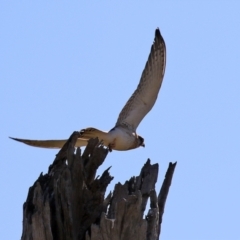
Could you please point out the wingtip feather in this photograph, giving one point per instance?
(157, 33)
(16, 139)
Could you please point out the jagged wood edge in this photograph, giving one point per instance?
(162, 197)
(129, 202)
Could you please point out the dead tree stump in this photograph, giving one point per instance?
(68, 202)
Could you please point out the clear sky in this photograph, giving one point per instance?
(66, 66)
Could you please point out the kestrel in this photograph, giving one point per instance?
(123, 136)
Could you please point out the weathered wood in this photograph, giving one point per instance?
(162, 197)
(68, 202)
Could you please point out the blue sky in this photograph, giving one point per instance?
(67, 66)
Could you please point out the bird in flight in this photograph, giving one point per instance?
(123, 136)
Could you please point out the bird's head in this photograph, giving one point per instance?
(141, 141)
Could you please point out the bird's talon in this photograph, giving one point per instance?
(110, 148)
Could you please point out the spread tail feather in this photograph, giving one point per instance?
(50, 143)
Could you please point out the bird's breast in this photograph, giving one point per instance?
(123, 139)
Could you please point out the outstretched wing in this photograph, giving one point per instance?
(50, 143)
(144, 97)
(86, 134)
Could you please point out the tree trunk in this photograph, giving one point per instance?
(68, 202)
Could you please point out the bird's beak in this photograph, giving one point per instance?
(143, 145)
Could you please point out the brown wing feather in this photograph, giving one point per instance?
(93, 133)
(144, 97)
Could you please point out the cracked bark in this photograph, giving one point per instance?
(68, 202)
